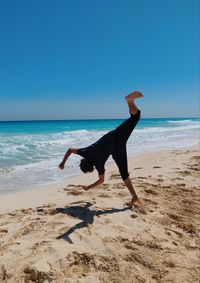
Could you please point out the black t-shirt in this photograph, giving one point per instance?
(98, 152)
(113, 143)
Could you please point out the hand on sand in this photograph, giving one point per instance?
(61, 166)
(85, 188)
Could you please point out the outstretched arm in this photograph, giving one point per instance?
(98, 182)
(66, 156)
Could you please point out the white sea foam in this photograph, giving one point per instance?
(169, 129)
(32, 159)
(181, 121)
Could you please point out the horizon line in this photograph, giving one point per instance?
(90, 119)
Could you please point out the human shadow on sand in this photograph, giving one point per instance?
(85, 214)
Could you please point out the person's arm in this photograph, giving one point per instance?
(98, 182)
(66, 156)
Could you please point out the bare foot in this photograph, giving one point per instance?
(133, 95)
(135, 202)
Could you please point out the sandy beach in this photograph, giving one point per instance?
(64, 234)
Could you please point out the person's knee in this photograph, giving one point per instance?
(125, 176)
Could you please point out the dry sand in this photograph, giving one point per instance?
(64, 234)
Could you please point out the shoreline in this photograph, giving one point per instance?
(40, 169)
(47, 190)
(79, 179)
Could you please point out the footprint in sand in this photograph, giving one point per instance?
(27, 229)
(114, 176)
(166, 187)
(26, 210)
(174, 216)
(157, 167)
(140, 209)
(13, 213)
(196, 157)
(139, 178)
(50, 211)
(175, 231)
(134, 215)
(139, 257)
(3, 272)
(104, 196)
(169, 263)
(122, 194)
(136, 168)
(38, 272)
(149, 191)
(2, 230)
(46, 209)
(150, 201)
(74, 190)
(184, 173)
(105, 186)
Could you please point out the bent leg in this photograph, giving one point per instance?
(120, 158)
(124, 130)
(135, 199)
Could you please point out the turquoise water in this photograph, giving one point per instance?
(31, 150)
(46, 127)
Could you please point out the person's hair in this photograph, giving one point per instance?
(86, 166)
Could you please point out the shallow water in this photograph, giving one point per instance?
(30, 151)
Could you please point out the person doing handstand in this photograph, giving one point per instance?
(113, 143)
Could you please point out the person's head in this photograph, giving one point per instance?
(86, 166)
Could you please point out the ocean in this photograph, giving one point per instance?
(30, 151)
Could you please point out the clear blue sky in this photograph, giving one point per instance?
(75, 59)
